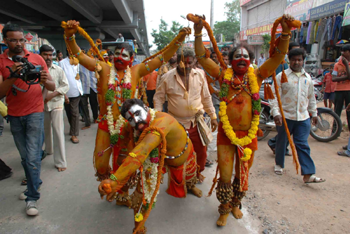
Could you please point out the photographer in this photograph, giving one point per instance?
(25, 108)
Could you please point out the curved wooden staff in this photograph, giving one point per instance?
(196, 19)
(165, 48)
(82, 32)
(273, 45)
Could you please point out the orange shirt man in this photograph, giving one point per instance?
(151, 83)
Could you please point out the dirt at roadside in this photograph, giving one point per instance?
(284, 204)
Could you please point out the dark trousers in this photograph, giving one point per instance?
(341, 98)
(72, 111)
(83, 104)
(272, 143)
(93, 103)
(300, 131)
(150, 95)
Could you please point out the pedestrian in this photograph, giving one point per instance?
(150, 82)
(53, 112)
(171, 64)
(261, 60)
(225, 58)
(93, 96)
(328, 87)
(111, 56)
(84, 75)
(72, 97)
(299, 102)
(59, 55)
(346, 149)
(341, 75)
(188, 94)
(25, 110)
(120, 38)
(272, 141)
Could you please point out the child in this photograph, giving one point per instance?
(328, 87)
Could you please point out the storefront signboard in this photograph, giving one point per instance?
(346, 17)
(328, 9)
(255, 40)
(299, 9)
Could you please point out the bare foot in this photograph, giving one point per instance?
(201, 178)
(196, 191)
(237, 213)
(86, 127)
(60, 169)
(222, 220)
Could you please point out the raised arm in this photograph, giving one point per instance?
(69, 36)
(145, 68)
(281, 50)
(208, 65)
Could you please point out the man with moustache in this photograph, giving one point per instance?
(188, 94)
(25, 110)
(54, 103)
(162, 70)
(298, 101)
(116, 84)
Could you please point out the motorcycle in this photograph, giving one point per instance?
(328, 127)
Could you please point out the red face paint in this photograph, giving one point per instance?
(237, 65)
(121, 63)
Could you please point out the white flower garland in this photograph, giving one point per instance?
(148, 188)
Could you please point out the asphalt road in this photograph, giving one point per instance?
(70, 202)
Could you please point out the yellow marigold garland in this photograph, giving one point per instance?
(254, 89)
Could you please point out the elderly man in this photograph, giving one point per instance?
(188, 94)
(53, 111)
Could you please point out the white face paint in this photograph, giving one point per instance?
(241, 53)
(136, 115)
(122, 53)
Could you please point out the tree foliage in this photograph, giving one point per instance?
(266, 46)
(231, 25)
(164, 36)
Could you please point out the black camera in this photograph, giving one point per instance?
(28, 72)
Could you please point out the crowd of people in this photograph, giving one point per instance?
(179, 88)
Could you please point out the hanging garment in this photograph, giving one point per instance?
(337, 25)
(320, 30)
(309, 32)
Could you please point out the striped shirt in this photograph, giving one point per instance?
(93, 81)
(85, 79)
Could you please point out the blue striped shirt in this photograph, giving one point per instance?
(85, 79)
(93, 81)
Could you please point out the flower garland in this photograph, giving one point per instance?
(149, 173)
(256, 108)
(114, 95)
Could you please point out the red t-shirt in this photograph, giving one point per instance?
(151, 80)
(330, 85)
(24, 103)
(340, 70)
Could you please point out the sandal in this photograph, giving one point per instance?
(24, 181)
(208, 163)
(314, 179)
(278, 170)
(342, 153)
(345, 147)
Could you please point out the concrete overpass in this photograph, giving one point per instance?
(103, 19)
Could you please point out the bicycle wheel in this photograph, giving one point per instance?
(328, 128)
(264, 118)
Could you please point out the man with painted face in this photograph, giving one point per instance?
(115, 84)
(188, 94)
(239, 116)
(180, 159)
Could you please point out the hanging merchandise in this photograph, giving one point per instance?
(346, 19)
(28, 36)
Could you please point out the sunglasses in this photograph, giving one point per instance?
(11, 40)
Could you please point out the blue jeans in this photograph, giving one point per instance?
(347, 151)
(27, 133)
(300, 131)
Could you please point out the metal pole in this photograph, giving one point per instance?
(212, 17)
